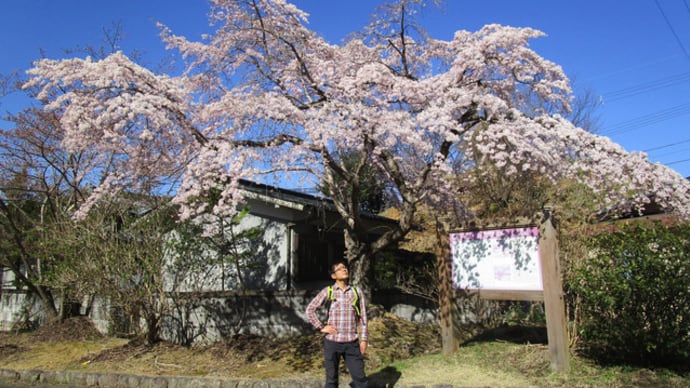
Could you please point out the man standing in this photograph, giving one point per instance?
(346, 312)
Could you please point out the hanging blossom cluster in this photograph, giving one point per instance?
(138, 122)
(628, 181)
(266, 95)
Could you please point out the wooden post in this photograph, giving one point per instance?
(554, 304)
(449, 344)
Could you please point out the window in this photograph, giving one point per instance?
(315, 254)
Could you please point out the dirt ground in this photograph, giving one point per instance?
(501, 357)
(75, 344)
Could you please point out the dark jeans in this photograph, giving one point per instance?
(354, 362)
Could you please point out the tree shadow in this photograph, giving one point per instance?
(517, 334)
(386, 377)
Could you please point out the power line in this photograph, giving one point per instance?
(677, 161)
(667, 145)
(650, 119)
(673, 31)
(667, 155)
(647, 87)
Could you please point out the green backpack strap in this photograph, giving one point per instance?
(329, 299)
(355, 301)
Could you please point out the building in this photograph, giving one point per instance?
(263, 291)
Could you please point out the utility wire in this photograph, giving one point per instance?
(677, 161)
(666, 155)
(673, 31)
(667, 145)
(650, 119)
(646, 87)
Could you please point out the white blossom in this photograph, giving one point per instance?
(260, 98)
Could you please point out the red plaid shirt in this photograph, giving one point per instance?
(341, 315)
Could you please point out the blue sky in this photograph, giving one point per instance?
(634, 55)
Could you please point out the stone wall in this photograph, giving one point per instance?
(197, 318)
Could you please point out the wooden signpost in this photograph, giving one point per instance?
(516, 264)
(556, 323)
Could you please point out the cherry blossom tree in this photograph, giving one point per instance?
(41, 185)
(264, 96)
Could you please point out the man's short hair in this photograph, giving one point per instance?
(335, 264)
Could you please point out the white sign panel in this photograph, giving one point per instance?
(500, 259)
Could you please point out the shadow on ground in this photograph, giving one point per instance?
(514, 334)
(386, 377)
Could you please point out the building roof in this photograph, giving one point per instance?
(296, 200)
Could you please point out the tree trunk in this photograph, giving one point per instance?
(152, 328)
(446, 300)
(359, 261)
(43, 293)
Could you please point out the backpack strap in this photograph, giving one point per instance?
(329, 299)
(355, 302)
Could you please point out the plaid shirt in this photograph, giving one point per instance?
(341, 315)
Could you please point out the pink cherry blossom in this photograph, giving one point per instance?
(266, 96)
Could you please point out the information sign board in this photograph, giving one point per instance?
(498, 259)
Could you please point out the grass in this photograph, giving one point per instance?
(400, 353)
(468, 367)
(503, 364)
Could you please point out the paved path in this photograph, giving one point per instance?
(73, 379)
(33, 378)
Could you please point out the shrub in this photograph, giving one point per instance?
(635, 295)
